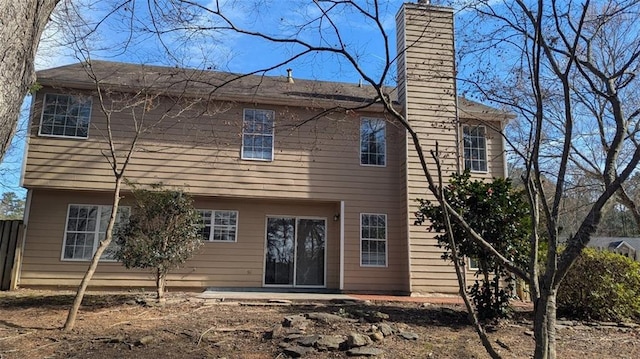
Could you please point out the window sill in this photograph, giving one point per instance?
(373, 266)
(65, 137)
(256, 159)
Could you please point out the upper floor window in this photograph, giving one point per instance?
(86, 227)
(373, 239)
(475, 148)
(219, 226)
(65, 116)
(373, 146)
(257, 135)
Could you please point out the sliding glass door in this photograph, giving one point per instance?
(295, 253)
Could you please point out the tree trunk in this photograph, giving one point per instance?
(627, 201)
(544, 325)
(73, 311)
(160, 283)
(21, 26)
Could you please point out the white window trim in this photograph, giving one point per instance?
(386, 158)
(213, 212)
(486, 149)
(273, 137)
(385, 240)
(470, 267)
(44, 101)
(96, 239)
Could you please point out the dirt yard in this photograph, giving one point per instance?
(130, 325)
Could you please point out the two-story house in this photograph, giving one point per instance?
(299, 184)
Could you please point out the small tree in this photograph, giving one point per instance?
(162, 232)
(500, 215)
(11, 206)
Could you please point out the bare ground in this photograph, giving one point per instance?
(121, 325)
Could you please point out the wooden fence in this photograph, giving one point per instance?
(10, 231)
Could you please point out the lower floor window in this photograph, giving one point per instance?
(86, 227)
(373, 239)
(219, 226)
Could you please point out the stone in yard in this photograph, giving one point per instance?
(330, 342)
(364, 352)
(292, 337)
(385, 329)
(376, 336)
(357, 340)
(146, 340)
(409, 336)
(293, 321)
(377, 317)
(371, 316)
(308, 341)
(329, 318)
(296, 351)
(277, 331)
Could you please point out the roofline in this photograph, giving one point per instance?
(220, 96)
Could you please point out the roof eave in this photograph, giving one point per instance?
(318, 103)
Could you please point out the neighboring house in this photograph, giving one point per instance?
(626, 246)
(294, 192)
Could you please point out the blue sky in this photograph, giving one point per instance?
(225, 51)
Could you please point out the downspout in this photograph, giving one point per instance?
(341, 245)
(504, 149)
(19, 254)
(26, 144)
(455, 94)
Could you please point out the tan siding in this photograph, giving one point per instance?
(430, 109)
(239, 264)
(318, 160)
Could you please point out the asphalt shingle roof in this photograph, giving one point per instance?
(214, 84)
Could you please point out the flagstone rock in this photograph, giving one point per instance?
(376, 336)
(364, 352)
(409, 336)
(358, 340)
(308, 341)
(386, 329)
(329, 318)
(330, 342)
(296, 351)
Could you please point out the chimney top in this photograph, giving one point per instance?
(425, 2)
(290, 76)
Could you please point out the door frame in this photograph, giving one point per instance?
(295, 254)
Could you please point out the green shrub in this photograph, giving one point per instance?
(601, 285)
(162, 232)
(500, 214)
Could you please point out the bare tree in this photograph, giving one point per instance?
(119, 159)
(550, 47)
(571, 78)
(545, 61)
(21, 26)
(130, 115)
